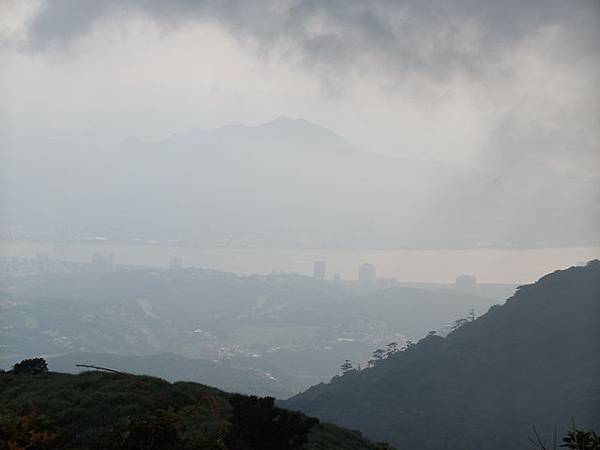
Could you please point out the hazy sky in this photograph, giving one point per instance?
(480, 83)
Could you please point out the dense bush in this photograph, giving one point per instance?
(257, 423)
(31, 366)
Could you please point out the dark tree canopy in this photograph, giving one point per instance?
(31, 366)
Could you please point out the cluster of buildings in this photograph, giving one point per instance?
(367, 277)
(367, 273)
(42, 264)
(102, 263)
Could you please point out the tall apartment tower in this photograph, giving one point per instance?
(99, 263)
(175, 263)
(319, 269)
(110, 265)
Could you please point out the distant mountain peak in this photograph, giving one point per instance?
(292, 124)
(279, 133)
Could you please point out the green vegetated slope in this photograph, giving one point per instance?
(532, 362)
(97, 410)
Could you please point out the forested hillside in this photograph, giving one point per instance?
(96, 410)
(531, 362)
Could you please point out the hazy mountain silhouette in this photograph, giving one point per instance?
(531, 362)
(287, 182)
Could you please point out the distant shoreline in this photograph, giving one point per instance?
(488, 265)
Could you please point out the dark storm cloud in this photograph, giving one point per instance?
(430, 35)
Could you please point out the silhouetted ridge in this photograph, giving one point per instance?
(531, 362)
